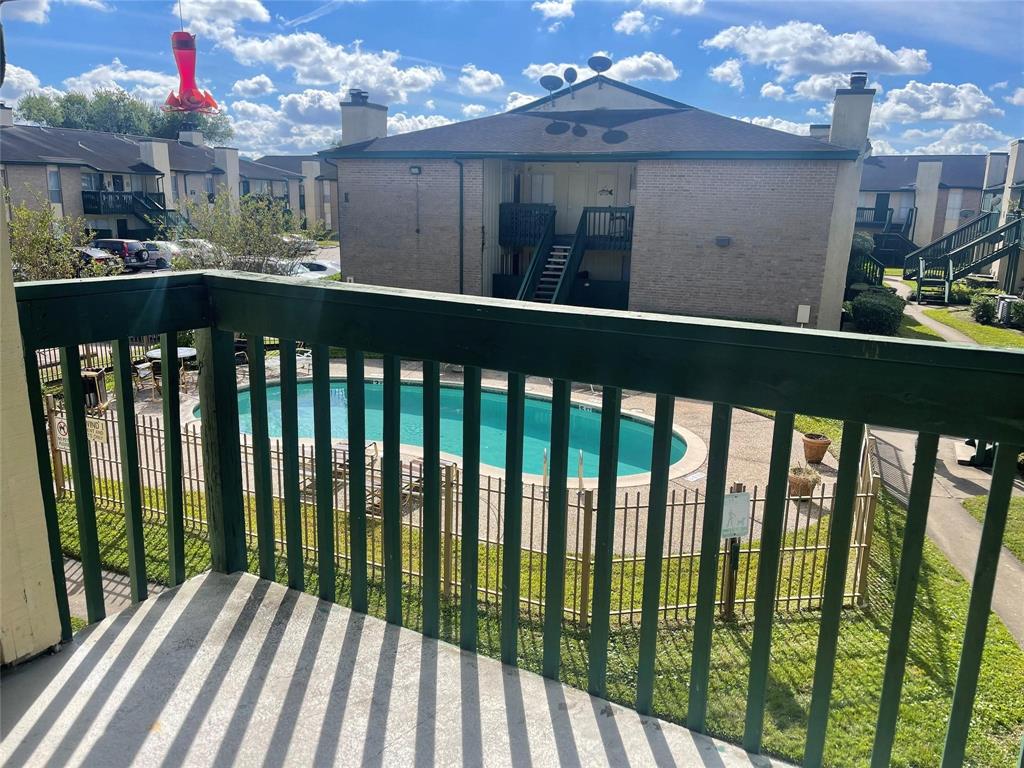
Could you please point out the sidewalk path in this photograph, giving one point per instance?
(950, 526)
(915, 311)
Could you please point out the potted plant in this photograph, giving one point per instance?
(802, 480)
(815, 447)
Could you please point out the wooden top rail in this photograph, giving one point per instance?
(895, 382)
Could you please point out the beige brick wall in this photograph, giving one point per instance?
(776, 212)
(27, 184)
(378, 223)
(71, 190)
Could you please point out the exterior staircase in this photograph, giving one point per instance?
(554, 268)
(157, 216)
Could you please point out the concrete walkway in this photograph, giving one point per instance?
(117, 590)
(915, 311)
(234, 670)
(950, 526)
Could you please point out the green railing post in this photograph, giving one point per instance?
(81, 472)
(1004, 468)
(836, 561)
(356, 391)
(512, 545)
(290, 464)
(392, 490)
(174, 501)
(128, 441)
(431, 498)
(707, 579)
(262, 477)
(222, 466)
(654, 554)
(558, 498)
(903, 601)
(324, 458)
(468, 545)
(604, 543)
(35, 404)
(767, 570)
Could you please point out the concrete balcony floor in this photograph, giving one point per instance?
(235, 670)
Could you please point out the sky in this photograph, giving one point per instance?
(949, 75)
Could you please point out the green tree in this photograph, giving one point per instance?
(116, 111)
(43, 244)
(246, 235)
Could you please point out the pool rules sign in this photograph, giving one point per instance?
(736, 515)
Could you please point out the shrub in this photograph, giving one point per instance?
(983, 309)
(878, 311)
(960, 293)
(1016, 318)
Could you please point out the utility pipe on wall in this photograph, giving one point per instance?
(461, 232)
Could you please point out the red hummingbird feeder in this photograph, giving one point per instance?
(189, 98)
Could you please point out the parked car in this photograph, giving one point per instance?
(319, 268)
(300, 244)
(132, 252)
(161, 253)
(91, 254)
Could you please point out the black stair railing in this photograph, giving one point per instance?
(940, 248)
(544, 241)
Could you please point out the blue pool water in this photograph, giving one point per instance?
(635, 437)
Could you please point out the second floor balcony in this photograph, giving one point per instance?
(107, 203)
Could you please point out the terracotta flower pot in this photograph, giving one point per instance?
(815, 448)
(802, 481)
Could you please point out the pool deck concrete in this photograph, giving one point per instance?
(234, 670)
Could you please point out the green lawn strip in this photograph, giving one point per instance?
(911, 328)
(940, 613)
(986, 335)
(812, 425)
(894, 272)
(1013, 539)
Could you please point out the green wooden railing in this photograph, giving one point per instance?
(1000, 243)
(609, 229)
(867, 269)
(542, 247)
(938, 250)
(99, 202)
(522, 224)
(870, 216)
(726, 363)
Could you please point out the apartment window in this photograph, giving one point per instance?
(866, 200)
(302, 197)
(208, 180)
(92, 182)
(280, 188)
(954, 202)
(542, 188)
(174, 187)
(53, 185)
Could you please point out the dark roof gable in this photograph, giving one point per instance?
(895, 172)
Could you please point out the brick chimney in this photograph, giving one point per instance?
(6, 116)
(361, 120)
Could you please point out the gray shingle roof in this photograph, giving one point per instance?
(659, 132)
(894, 172)
(113, 152)
(293, 163)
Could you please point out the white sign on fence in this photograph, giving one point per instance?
(95, 429)
(736, 515)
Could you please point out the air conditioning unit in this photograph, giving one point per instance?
(967, 213)
(1003, 307)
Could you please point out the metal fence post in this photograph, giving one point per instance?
(865, 553)
(55, 457)
(588, 521)
(731, 563)
(446, 531)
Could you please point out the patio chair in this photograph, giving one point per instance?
(242, 366)
(304, 360)
(144, 377)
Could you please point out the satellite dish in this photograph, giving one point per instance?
(551, 82)
(599, 63)
(570, 75)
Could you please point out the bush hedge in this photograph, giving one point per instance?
(983, 309)
(878, 311)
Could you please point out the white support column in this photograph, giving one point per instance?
(926, 198)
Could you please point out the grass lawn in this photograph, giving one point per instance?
(940, 612)
(1013, 539)
(830, 428)
(910, 328)
(986, 335)
(894, 272)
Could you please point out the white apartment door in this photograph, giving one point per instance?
(576, 201)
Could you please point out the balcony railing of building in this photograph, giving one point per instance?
(725, 363)
(522, 224)
(103, 203)
(874, 217)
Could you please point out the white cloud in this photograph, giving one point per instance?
(38, 11)
(430, 104)
(772, 91)
(965, 139)
(311, 107)
(216, 18)
(20, 82)
(145, 84)
(260, 85)
(261, 128)
(678, 7)
(730, 73)
(882, 147)
(779, 124)
(476, 81)
(635, 22)
(1000, 85)
(554, 9)
(474, 110)
(403, 123)
(517, 99)
(823, 87)
(314, 60)
(644, 66)
(934, 101)
(799, 47)
(1017, 98)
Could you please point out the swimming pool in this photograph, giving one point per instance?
(635, 437)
